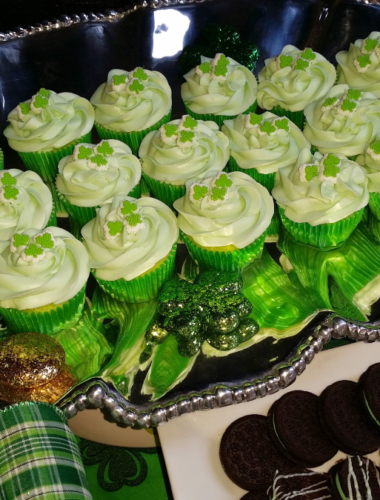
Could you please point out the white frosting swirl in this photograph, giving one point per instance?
(57, 120)
(214, 216)
(38, 268)
(166, 159)
(294, 79)
(127, 103)
(25, 202)
(129, 236)
(264, 142)
(86, 184)
(343, 121)
(208, 93)
(359, 67)
(321, 189)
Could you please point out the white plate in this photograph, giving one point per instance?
(191, 443)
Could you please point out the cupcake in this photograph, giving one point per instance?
(292, 80)
(25, 202)
(46, 128)
(321, 199)
(43, 275)
(359, 67)
(180, 150)
(262, 144)
(223, 219)
(131, 104)
(132, 246)
(219, 89)
(344, 121)
(94, 174)
(370, 162)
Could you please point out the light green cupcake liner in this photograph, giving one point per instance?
(218, 119)
(45, 163)
(296, 117)
(167, 193)
(266, 180)
(314, 149)
(144, 287)
(51, 321)
(60, 208)
(374, 204)
(132, 139)
(1, 159)
(323, 236)
(236, 260)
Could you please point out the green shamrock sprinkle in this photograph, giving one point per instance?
(33, 250)
(375, 146)
(45, 240)
(255, 119)
(7, 180)
(218, 193)
(186, 136)
(267, 128)
(363, 60)
(119, 79)
(105, 149)
(221, 66)
(134, 219)
(330, 101)
(20, 240)
(311, 171)
(199, 192)
(282, 124)
(308, 54)
(98, 160)
(115, 228)
(302, 64)
(223, 181)
(369, 44)
(140, 74)
(170, 130)
(44, 93)
(205, 67)
(190, 122)
(348, 105)
(25, 107)
(354, 94)
(128, 208)
(285, 61)
(84, 153)
(10, 193)
(330, 163)
(40, 102)
(136, 86)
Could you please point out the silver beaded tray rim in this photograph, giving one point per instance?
(95, 393)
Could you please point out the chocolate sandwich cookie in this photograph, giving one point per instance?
(340, 413)
(295, 429)
(248, 456)
(356, 478)
(299, 484)
(369, 384)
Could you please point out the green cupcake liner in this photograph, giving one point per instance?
(49, 322)
(45, 163)
(296, 117)
(144, 287)
(236, 260)
(132, 139)
(218, 119)
(323, 236)
(314, 149)
(266, 180)
(374, 204)
(145, 191)
(374, 226)
(1, 159)
(52, 222)
(167, 193)
(60, 208)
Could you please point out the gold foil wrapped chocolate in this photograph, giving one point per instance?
(33, 368)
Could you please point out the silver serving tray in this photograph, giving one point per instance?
(75, 53)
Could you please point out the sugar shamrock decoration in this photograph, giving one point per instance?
(216, 194)
(8, 190)
(185, 139)
(104, 148)
(212, 309)
(284, 61)
(39, 103)
(135, 87)
(98, 162)
(364, 61)
(203, 68)
(252, 120)
(329, 168)
(128, 217)
(308, 54)
(301, 64)
(329, 103)
(169, 133)
(374, 150)
(45, 240)
(222, 181)
(140, 74)
(219, 67)
(266, 127)
(18, 240)
(34, 249)
(369, 45)
(95, 156)
(308, 171)
(119, 82)
(112, 229)
(198, 191)
(345, 105)
(82, 152)
(23, 109)
(33, 253)
(126, 208)
(282, 124)
(187, 122)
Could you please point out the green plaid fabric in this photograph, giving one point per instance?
(39, 455)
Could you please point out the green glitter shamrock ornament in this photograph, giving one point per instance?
(45, 240)
(140, 74)
(198, 192)
(19, 240)
(330, 168)
(136, 87)
(104, 148)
